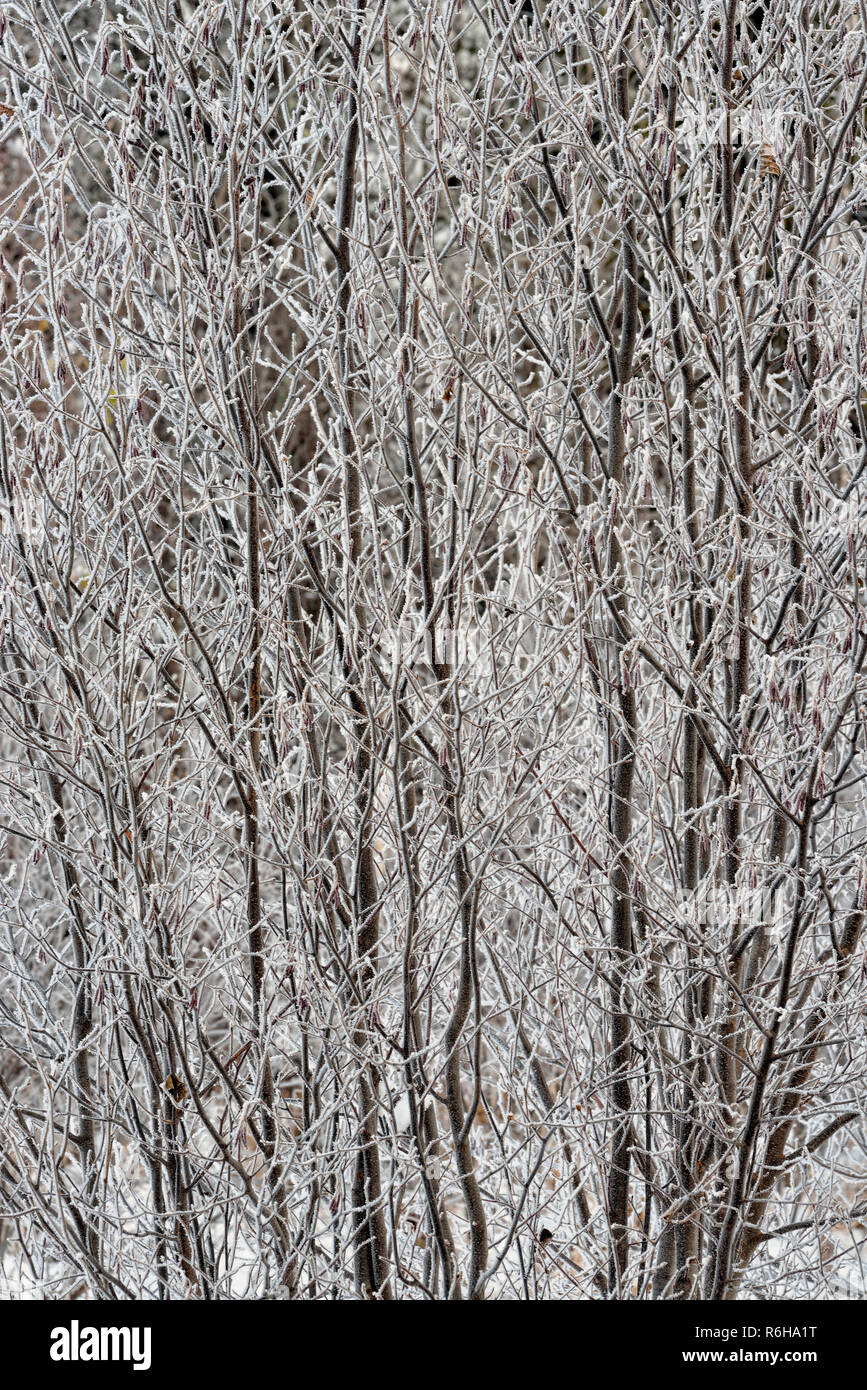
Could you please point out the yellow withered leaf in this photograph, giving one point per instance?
(175, 1087)
(767, 162)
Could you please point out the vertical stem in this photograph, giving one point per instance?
(622, 755)
(371, 1241)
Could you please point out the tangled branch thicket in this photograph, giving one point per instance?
(433, 456)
